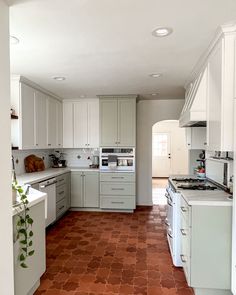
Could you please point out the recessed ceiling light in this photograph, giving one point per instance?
(14, 40)
(82, 96)
(154, 94)
(59, 78)
(155, 75)
(162, 32)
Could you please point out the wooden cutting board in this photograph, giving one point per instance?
(34, 164)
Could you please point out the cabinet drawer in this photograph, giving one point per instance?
(185, 209)
(117, 177)
(61, 179)
(61, 192)
(117, 202)
(61, 207)
(117, 189)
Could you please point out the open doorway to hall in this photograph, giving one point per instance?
(169, 156)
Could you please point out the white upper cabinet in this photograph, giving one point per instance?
(51, 123)
(81, 123)
(196, 138)
(40, 117)
(68, 125)
(118, 121)
(27, 128)
(40, 113)
(108, 122)
(220, 95)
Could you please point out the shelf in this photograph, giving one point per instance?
(14, 117)
(14, 148)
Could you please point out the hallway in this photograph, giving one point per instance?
(111, 253)
(158, 190)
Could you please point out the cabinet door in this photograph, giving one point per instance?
(126, 122)
(91, 190)
(80, 124)
(93, 124)
(59, 124)
(40, 119)
(214, 100)
(51, 122)
(199, 138)
(188, 133)
(68, 125)
(27, 117)
(108, 122)
(77, 193)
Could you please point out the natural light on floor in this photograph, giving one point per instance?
(159, 190)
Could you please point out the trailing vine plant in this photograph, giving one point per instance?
(23, 226)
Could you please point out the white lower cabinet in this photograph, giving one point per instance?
(27, 279)
(62, 194)
(206, 234)
(117, 191)
(85, 189)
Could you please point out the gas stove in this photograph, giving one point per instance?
(199, 187)
(188, 179)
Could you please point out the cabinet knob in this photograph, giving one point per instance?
(205, 143)
(49, 144)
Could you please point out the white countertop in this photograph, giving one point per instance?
(34, 197)
(206, 198)
(203, 197)
(31, 178)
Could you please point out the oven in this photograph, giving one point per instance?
(117, 159)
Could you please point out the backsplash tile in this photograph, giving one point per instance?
(73, 157)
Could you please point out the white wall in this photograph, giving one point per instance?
(148, 113)
(179, 151)
(6, 244)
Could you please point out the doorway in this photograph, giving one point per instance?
(169, 156)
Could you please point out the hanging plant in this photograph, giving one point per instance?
(23, 226)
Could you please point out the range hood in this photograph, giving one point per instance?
(194, 110)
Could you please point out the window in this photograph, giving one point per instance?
(160, 144)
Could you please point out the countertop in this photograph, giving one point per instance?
(34, 197)
(203, 197)
(31, 178)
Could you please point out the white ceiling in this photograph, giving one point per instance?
(106, 46)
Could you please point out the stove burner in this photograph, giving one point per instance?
(200, 187)
(188, 179)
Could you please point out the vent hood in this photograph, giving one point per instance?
(194, 110)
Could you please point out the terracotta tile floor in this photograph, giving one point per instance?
(111, 253)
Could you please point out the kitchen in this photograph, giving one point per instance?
(103, 135)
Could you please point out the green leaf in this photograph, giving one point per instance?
(23, 265)
(22, 231)
(31, 233)
(20, 190)
(24, 249)
(31, 253)
(24, 242)
(30, 221)
(30, 243)
(22, 257)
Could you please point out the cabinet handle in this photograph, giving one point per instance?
(61, 207)
(168, 202)
(49, 144)
(117, 177)
(182, 258)
(117, 202)
(61, 193)
(205, 143)
(170, 235)
(183, 232)
(167, 223)
(60, 180)
(36, 144)
(117, 189)
(184, 209)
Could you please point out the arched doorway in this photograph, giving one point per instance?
(169, 156)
